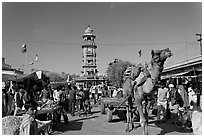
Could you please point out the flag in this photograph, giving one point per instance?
(68, 79)
(31, 63)
(140, 53)
(36, 57)
(24, 49)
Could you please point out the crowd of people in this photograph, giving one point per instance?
(170, 98)
(16, 99)
(173, 98)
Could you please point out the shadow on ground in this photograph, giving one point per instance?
(72, 125)
(168, 128)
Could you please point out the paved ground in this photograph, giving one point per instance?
(96, 124)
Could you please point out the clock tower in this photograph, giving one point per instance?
(89, 67)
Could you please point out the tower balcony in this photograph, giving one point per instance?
(89, 45)
(89, 66)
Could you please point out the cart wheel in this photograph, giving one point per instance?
(102, 108)
(110, 114)
(54, 120)
(41, 132)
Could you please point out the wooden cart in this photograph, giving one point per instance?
(50, 114)
(113, 105)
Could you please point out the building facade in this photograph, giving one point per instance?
(185, 71)
(8, 73)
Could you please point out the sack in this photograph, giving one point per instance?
(154, 111)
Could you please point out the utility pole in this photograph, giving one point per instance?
(200, 41)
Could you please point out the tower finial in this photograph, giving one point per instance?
(88, 29)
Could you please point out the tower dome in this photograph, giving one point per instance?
(89, 32)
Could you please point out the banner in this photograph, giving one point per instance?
(140, 53)
(36, 57)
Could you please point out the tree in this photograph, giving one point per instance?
(116, 70)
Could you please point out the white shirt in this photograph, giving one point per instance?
(115, 93)
(56, 95)
(191, 94)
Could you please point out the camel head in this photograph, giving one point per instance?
(160, 56)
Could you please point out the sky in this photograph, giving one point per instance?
(54, 30)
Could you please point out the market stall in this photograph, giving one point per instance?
(47, 112)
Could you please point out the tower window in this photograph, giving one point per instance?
(88, 38)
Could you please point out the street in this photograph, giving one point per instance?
(96, 124)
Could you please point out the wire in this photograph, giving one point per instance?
(106, 44)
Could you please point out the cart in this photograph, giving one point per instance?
(44, 127)
(113, 105)
(47, 114)
(51, 114)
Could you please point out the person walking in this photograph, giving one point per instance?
(18, 101)
(87, 101)
(56, 94)
(80, 95)
(196, 114)
(162, 97)
(63, 104)
(96, 95)
(191, 93)
(51, 90)
(45, 94)
(72, 100)
(184, 96)
(175, 101)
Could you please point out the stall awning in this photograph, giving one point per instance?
(180, 74)
(10, 75)
(191, 73)
(35, 75)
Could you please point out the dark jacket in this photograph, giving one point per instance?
(175, 97)
(72, 94)
(86, 95)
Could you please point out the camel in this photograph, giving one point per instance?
(140, 84)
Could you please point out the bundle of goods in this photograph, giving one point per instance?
(45, 109)
(48, 105)
(11, 125)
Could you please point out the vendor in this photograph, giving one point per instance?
(45, 94)
(18, 100)
(29, 124)
(56, 94)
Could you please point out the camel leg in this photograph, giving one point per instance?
(146, 119)
(127, 115)
(131, 113)
(143, 122)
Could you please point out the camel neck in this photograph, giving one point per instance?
(155, 71)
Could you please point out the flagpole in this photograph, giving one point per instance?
(36, 59)
(36, 65)
(140, 59)
(26, 62)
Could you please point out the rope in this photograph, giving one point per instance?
(122, 102)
